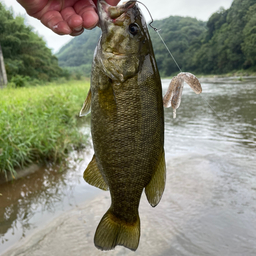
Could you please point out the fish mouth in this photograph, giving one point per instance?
(116, 54)
(115, 14)
(111, 18)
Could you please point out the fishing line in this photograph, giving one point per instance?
(157, 31)
(211, 108)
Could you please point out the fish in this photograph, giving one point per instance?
(127, 123)
(174, 92)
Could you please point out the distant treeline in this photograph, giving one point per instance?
(77, 55)
(223, 44)
(25, 53)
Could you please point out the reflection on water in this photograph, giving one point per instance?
(212, 172)
(230, 118)
(33, 201)
(20, 199)
(209, 205)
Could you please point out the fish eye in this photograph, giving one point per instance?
(133, 29)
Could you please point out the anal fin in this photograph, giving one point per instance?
(154, 190)
(93, 176)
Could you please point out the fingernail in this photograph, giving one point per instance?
(78, 29)
(92, 27)
(77, 33)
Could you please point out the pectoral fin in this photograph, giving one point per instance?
(93, 176)
(87, 105)
(154, 190)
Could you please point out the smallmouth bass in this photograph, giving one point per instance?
(127, 123)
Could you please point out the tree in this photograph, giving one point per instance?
(249, 33)
(3, 77)
(24, 51)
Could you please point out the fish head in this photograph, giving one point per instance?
(125, 39)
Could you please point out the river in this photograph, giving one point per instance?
(209, 205)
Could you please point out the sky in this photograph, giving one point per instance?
(200, 9)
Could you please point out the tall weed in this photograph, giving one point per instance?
(39, 123)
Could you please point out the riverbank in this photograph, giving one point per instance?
(72, 96)
(226, 80)
(208, 207)
(20, 173)
(39, 124)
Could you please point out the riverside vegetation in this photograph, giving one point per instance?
(38, 119)
(25, 53)
(39, 123)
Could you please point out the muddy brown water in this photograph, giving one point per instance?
(209, 205)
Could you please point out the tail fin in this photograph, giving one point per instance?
(112, 231)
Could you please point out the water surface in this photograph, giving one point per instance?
(211, 159)
(209, 205)
(30, 203)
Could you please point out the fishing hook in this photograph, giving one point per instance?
(152, 20)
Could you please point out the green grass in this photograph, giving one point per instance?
(39, 124)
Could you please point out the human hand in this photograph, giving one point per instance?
(65, 17)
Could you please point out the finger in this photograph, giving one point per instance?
(89, 13)
(55, 22)
(113, 2)
(74, 21)
(77, 33)
(87, 10)
(32, 6)
(90, 19)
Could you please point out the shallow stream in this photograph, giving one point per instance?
(209, 205)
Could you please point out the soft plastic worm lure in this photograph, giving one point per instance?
(174, 92)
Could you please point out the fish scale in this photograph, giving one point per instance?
(127, 123)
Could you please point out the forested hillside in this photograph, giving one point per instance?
(77, 55)
(25, 53)
(179, 34)
(225, 43)
(229, 43)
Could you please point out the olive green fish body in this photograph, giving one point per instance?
(127, 131)
(127, 125)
